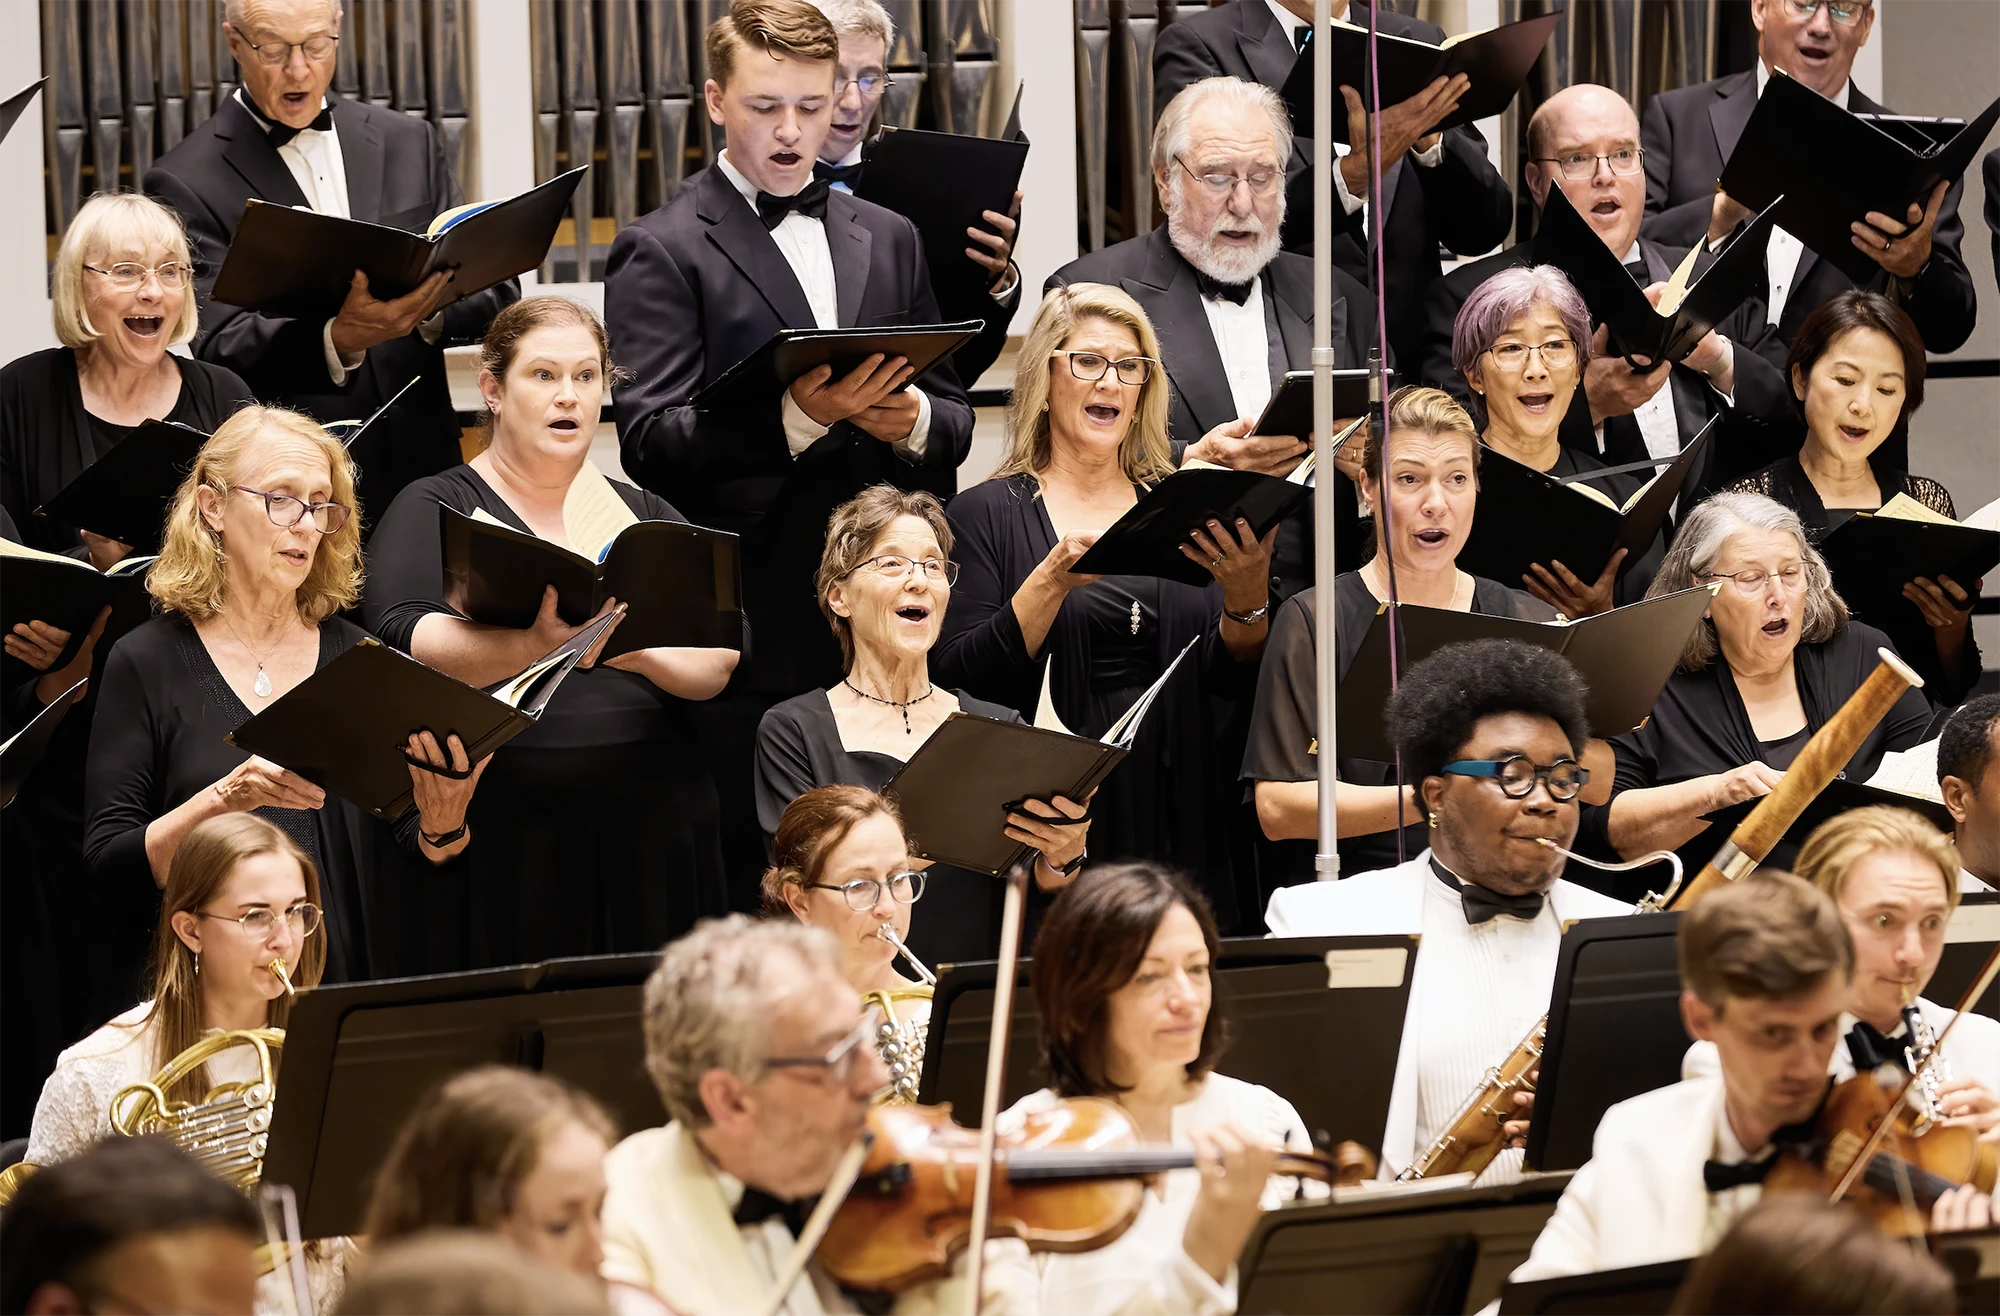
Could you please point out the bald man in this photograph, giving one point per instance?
(1623, 415)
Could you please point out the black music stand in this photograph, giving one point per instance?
(1324, 1039)
(1441, 1252)
(1968, 940)
(359, 1057)
(1614, 1031)
(1632, 1291)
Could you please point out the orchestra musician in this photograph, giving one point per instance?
(885, 585)
(1123, 982)
(1793, 1253)
(1970, 787)
(1491, 733)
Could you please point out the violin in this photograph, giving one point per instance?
(1070, 1179)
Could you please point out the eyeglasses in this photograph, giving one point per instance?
(864, 893)
(1517, 775)
(262, 924)
(129, 276)
(1579, 165)
(894, 566)
(1557, 354)
(274, 54)
(868, 84)
(1844, 12)
(1090, 367)
(287, 511)
(1261, 182)
(1750, 583)
(838, 1064)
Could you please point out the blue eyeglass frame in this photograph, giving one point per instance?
(1494, 767)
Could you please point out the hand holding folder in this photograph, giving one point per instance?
(1871, 556)
(944, 183)
(791, 353)
(67, 594)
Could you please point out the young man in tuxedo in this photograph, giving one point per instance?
(987, 284)
(1438, 188)
(1632, 415)
(283, 138)
(1968, 773)
(747, 247)
(1691, 131)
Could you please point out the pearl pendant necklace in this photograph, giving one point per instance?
(261, 687)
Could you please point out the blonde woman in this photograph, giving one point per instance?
(262, 552)
(1087, 437)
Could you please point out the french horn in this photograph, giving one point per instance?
(229, 1128)
(899, 1040)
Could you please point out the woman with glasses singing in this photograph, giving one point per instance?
(1087, 436)
(599, 824)
(1857, 373)
(884, 582)
(262, 552)
(240, 894)
(1521, 342)
(1776, 656)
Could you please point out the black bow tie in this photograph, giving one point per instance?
(1721, 1176)
(1870, 1050)
(278, 134)
(1216, 288)
(827, 173)
(809, 201)
(758, 1206)
(1481, 905)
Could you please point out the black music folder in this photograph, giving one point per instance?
(1632, 1290)
(682, 583)
(958, 788)
(1832, 167)
(11, 108)
(1693, 302)
(1525, 516)
(297, 262)
(1497, 60)
(124, 495)
(360, 1058)
(1614, 1030)
(24, 749)
(1318, 1019)
(1625, 656)
(944, 183)
(344, 727)
(1290, 410)
(1873, 555)
(66, 593)
(790, 353)
(1146, 540)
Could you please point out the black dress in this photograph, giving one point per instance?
(1786, 482)
(595, 831)
(1699, 727)
(158, 740)
(798, 748)
(1175, 798)
(1284, 727)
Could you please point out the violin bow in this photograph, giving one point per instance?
(1875, 1139)
(996, 1065)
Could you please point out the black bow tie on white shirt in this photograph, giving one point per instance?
(1482, 905)
(1870, 1049)
(849, 174)
(758, 1206)
(279, 134)
(809, 201)
(1217, 289)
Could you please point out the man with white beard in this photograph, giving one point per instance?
(1233, 311)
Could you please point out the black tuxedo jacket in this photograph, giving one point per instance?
(1759, 428)
(1460, 202)
(1690, 132)
(397, 175)
(693, 288)
(1990, 170)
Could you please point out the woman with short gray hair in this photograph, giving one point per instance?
(1775, 656)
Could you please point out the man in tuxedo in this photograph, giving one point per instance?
(1233, 310)
(1437, 187)
(1968, 774)
(283, 139)
(1690, 133)
(987, 284)
(1631, 415)
(747, 247)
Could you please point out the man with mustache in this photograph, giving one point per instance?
(1585, 140)
(1233, 311)
(1691, 131)
(1491, 732)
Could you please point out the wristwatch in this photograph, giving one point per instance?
(1250, 618)
(442, 839)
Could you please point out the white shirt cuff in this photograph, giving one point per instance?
(911, 448)
(1432, 158)
(338, 367)
(432, 329)
(1348, 201)
(1204, 1295)
(801, 430)
(1010, 281)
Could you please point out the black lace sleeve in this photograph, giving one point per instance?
(1931, 494)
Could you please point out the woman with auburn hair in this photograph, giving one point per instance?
(1087, 436)
(261, 553)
